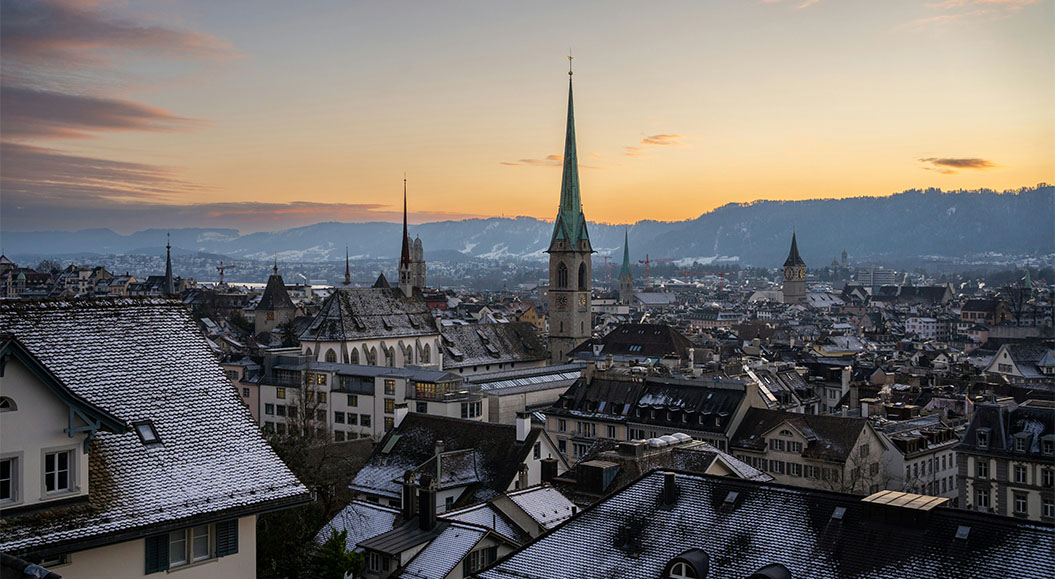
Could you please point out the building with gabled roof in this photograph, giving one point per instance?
(275, 307)
(678, 524)
(124, 450)
(470, 349)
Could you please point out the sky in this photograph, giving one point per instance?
(262, 115)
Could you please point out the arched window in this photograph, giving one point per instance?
(308, 352)
(331, 356)
(426, 354)
(562, 275)
(682, 570)
(371, 358)
(7, 404)
(582, 326)
(355, 355)
(391, 354)
(408, 355)
(583, 278)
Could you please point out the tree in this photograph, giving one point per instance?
(289, 335)
(49, 266)
(335, 561)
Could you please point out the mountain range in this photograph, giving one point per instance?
(912, 223)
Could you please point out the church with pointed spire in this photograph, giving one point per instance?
(411, 257)
(794, 275)
(570, 257)
(626, 280)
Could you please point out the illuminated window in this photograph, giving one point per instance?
(280, 393)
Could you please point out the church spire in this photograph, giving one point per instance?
(625, 272)
(347, 268)
(170, 285)
(793, 256)
(404, 257)
(570, 223)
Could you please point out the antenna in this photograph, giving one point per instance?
(569, 62)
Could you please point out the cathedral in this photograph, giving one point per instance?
(570, 267)
(411, 258)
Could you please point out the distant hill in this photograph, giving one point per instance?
(909, 224)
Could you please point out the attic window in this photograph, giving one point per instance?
(838, 514)
(7, 404)
(983, 437)
(962, 531)
(147, 433)
(731, 497)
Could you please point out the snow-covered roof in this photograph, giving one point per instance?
(545, 504)
(144, 359)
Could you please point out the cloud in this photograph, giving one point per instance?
(547, 161)
(30, 112)
(948, 166)
(804, 4)
(43, 175)
(955, 10)
(662, 140)
(125, 217)
(633, 151)
(67, 34)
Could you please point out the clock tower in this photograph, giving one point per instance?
(570, 267)
(794, 275)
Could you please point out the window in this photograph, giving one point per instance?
(1020, 473)
(186, 546)
(479, 559)
(338, 418)
(562, 425)
(472, 409)
(390, 405)
(681, 570)
(794, 469)
(1021, 504)
(57, 471)
(1047, 508)
(280, 393)
(873, 469)
(390, 423)
(562, 275)
(353, 419)
(795, 447)
(7, 404)
(422, 407)
(562, 446)
(390, 387)
(982, 437)
(1047, 445)
(320, 414)
(269, 409)
(536, 451)
(610, 431)
(146, 431)
(9, 480)
(245, 393)
(776, 444)
(331, 356)
(338, 436)
(355, 355)
(1047, 478)
(364, 419)
(269, 426)
(776, 466)
(981, 468)
(322, 398)
(981, 498)
(579, 449)
(863, 450)
(280, 410)
(1020, 443)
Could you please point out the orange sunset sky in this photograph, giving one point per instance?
(268, 115)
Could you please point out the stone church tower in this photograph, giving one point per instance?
(626, 281)
(794, 275)
(570, 267)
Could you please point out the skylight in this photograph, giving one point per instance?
(147, 433)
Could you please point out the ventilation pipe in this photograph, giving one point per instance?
(670, 489)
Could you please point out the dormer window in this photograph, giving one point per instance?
(7, 404)
(147, 433)
(1022, 441)
(1047, 444)
(982, 437)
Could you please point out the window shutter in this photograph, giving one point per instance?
(157, 553)
(226, 538)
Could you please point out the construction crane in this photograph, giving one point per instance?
(220, 268)
(648, 266)
(720, 274)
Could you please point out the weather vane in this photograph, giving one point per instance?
(569, 62)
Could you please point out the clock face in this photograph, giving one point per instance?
(562, 301)
(582, 300)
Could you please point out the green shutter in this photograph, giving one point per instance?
(157, 553)
(226, 538)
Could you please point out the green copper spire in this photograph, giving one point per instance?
(571, 223)
(625, 272)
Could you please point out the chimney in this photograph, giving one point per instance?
(524, 480)
(847, 370)
(401, 412)
(523, 426)
(426, 503)
(692, 357)
(409, 505)
(549, 469)
(439, 447)
(670, 489)
(864, 409)
(439, 358)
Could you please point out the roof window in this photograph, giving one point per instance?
(839, 513)
(962, 531)
(146, 431)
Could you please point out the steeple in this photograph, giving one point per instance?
(571, 223)
(625, 272)
(170, 285)
(347, 268)
(404, 256)
(794, 259)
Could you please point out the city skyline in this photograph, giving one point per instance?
(181, 114)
